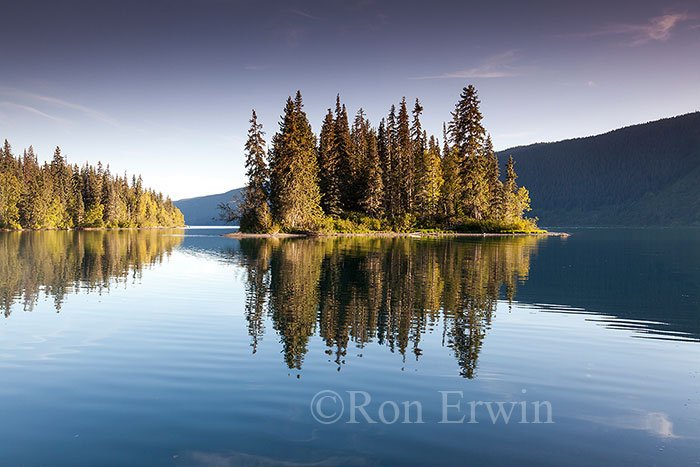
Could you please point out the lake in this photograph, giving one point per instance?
(181, 347)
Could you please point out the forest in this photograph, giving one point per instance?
(58, 195)
(357, 178)
(644, 174)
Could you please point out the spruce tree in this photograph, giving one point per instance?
(515, 200)
(394, 176)
(418, 154)
(294, 171)
(384, 156)
(342, 148)
(255, 212)
(467, 137)
(493, 181)
(329, 168)
(404, 158)
(360, 140)
(10, 189)
(451, 191)
(428, 179)
(372, 200)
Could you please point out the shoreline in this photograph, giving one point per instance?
(394, 234)
(93, 229)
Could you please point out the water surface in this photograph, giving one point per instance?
(180, 347)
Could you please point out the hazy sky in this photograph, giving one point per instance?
(165, 88)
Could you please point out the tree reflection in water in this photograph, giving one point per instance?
(56, 263)
(385, 290)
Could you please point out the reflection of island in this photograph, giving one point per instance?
(57, 263)
(389, 291)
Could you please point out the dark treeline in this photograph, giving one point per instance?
(356, 177)
(58, 195)
(58, 263)
(355, 291)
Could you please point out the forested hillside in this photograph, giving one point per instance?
(58, 195)
(645, 174)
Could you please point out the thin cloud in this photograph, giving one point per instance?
(591, 84)
(498, 66)
(305, 14)
(96, 114)
(33, 110)
(658, 28)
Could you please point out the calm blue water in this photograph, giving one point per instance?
(185, 348)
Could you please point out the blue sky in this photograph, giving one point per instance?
(165, 88)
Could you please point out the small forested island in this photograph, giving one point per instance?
(58, 195)
(394, 178)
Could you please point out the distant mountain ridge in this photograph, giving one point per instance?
(203, 210)
(646, 174)
(640, 175)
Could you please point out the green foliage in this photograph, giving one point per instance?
(356, 222)
(255, 212)
(10, 195)
(498, 226)
(329, 167)
(395, 178)
(639, 175)
(57, 195)
(295, 194)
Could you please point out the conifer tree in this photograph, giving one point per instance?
(10, 196)
(51, 195)
(451, 191)
(429, 180)
(493, 181)
(342, 148)
(385, 161)
(329, 168)
(361, 136)
(404, 157)
(255, 213)
(467, 136)
(418, 150)
(394, 176)
(516, 200)
(294, 171)
(10, 189)
(392, 171)
(372, 200)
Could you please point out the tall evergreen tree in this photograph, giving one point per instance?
(294, 170)
(418, 153)
(255, 213)
(467, 136)
(404, 157)
(493, 181)
(10, 189)
(384, 155)
(516, 200)
(451, 190)
(372, 200)
(429, 179)
(329, 167)
(360, 141)
(346, 163)
(394, 177)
